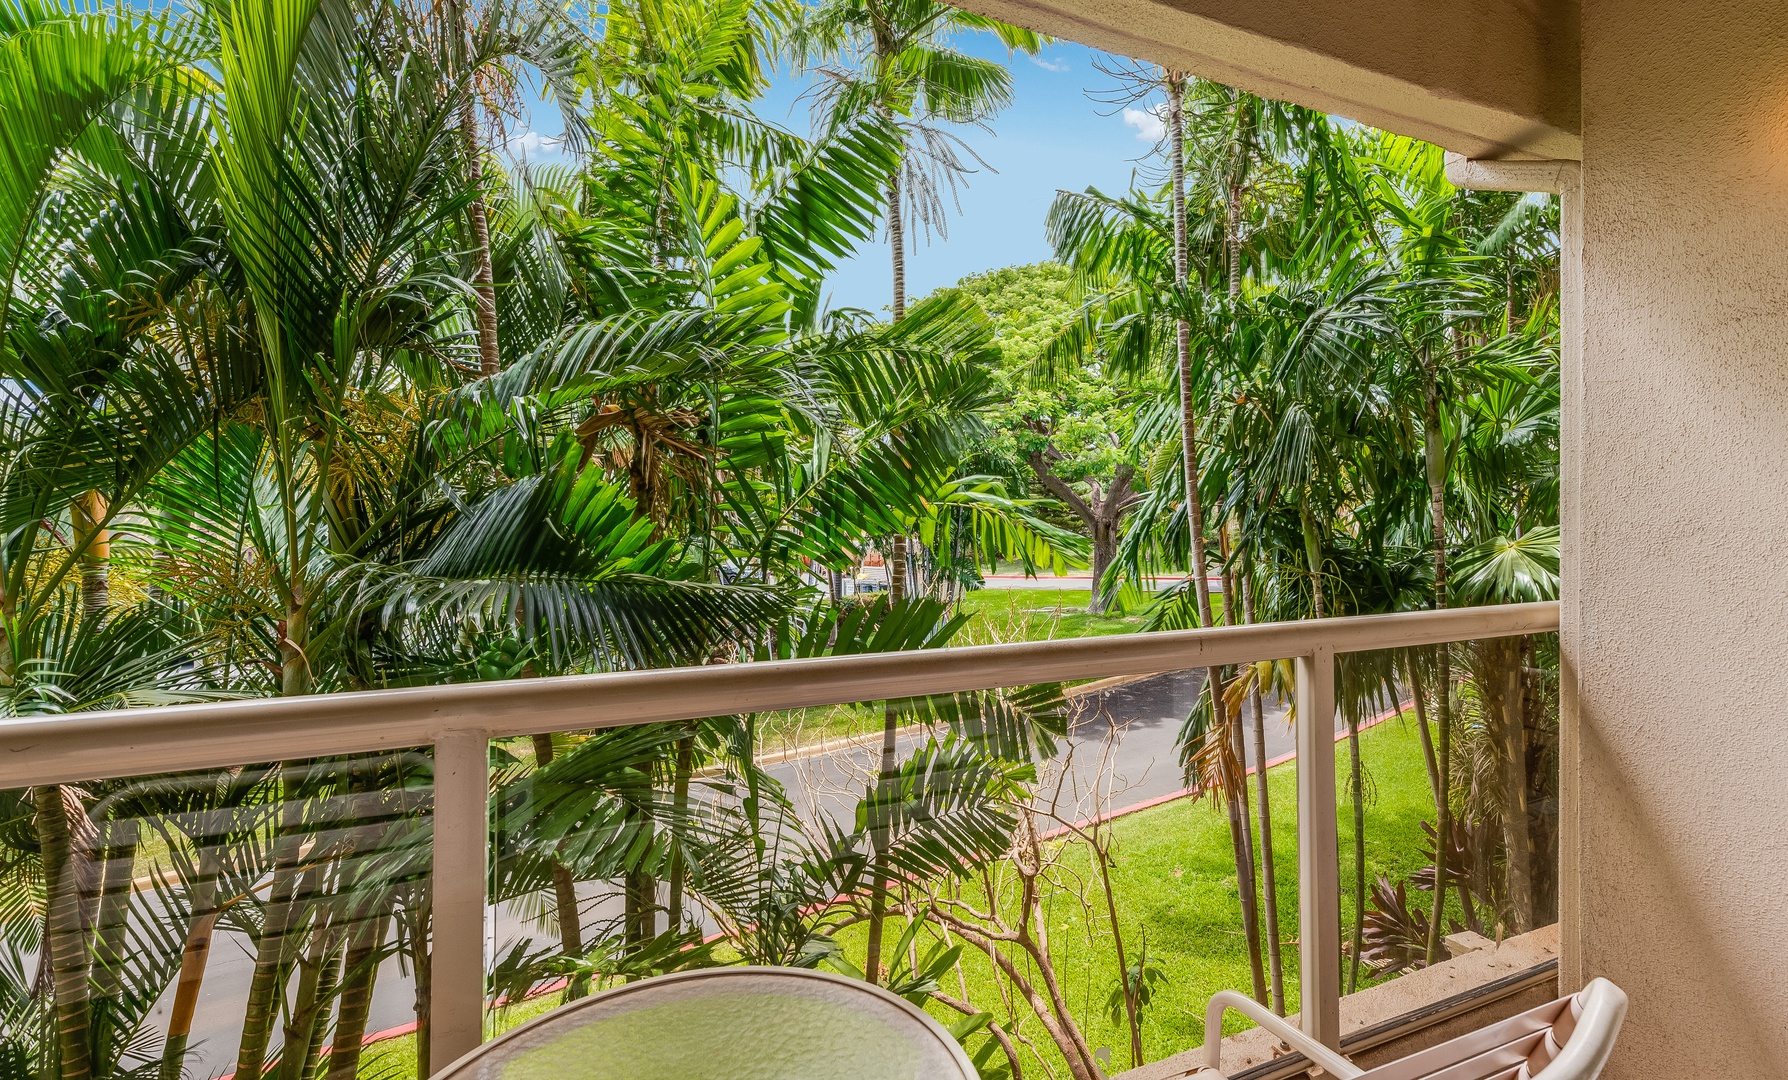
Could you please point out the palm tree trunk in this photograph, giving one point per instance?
(483, 278)
(360, 971)
(1319, 607)
(1418, 694)
(192, 965)
(1434, 466)
(878, 842)
(1241, 839)
(294, 664)
(565, 906)
(67, 944)
(111, 925)
(1246, 885)
(1197, 561)
(421, 961)
(640, 893)
(94, 543)
(897, 546)
(310, 1004)
(1359, 849)
(1517, 842)
(679, 870)
(897, 243)
(896, 563)
(272, 951)
(1269, 876)
(1313, 559)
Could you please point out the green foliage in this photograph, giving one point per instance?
(258, 438)
(1085, 415)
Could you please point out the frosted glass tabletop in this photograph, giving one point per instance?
(726, 1024)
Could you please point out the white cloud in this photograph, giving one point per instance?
(531, 145)
(1048, 64)
(1149, 125)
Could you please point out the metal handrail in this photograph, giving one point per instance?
(134, 742)
(458, 720)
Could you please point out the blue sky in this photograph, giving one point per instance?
(1054, 136)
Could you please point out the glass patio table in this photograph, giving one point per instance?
(744, 1023)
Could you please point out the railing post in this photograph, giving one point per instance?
(461, 859)
(1319, 851)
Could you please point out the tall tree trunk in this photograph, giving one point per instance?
(1241, 839)
(565, 905)
(1313, 559)
(1359, 849)
(94, 542)
(484, 287)
(640, 892)
(897, 244)
(679, 869)
(1237, 792)
(886, 775)
(1104, 551)
(1197, 561)
(422, 962)
(67, 944)
(1517, 836)
(192, 964)
(896, 565)
(1319, 607)
(273, 949)
(1101, 513)
(294, 664)
(111, 926)
(1435, 469)
(1418, 695)
(1269, 875)
(111, 923)
(360, 970)
(311, 1002)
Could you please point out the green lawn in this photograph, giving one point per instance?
(1175, 882)
(1003, 615)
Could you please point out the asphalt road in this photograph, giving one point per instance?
(1120, 752)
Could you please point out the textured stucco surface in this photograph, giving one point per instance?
(1676, 505)
(1486, 78)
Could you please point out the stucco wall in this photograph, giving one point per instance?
(1676, 503)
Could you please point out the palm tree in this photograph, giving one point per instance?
(909, 75)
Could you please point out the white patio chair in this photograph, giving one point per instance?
(1567, 1039)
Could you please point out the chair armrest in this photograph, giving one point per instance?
(1332, 1063)
(1592, 1041)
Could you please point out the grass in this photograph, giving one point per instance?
(1002, 615)
(1175, 885)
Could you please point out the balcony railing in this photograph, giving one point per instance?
(458, 722)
